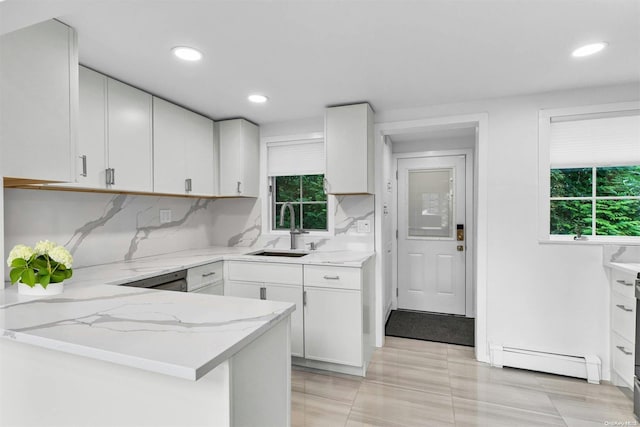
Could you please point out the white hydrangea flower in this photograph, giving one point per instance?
(19, 251)
(62, 256)
(44, 247)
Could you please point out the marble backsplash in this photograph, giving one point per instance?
(621, 253)
(100, 228)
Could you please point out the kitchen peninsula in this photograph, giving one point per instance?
(110, 355)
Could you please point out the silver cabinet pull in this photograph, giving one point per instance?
(110, 176)
(263, 293)
(113, 176)
(622, 282)
(238, 189)
(336, 277)
(304, 297)
(622, 307)
(84, 165)
(187, 185)
(208, 274)
(624, 350)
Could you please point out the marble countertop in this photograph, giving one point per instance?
(174, 333)
(181, 334)
(627, 267)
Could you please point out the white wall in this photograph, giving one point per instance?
(539, 296)
(455, 143)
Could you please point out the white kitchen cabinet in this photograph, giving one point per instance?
(623, 327)
(39, 102)
(239, 158)
(183, 151)
(92, 136)
(333, 325)
(349, 145)
(129, 138)
(270, 281)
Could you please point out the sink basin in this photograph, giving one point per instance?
(280, 253)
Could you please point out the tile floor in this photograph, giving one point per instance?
(419, 383)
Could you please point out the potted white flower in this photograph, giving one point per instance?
(40, 270)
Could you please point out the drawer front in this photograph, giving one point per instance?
(262, 272)
(623, 358)
(623, 316)
(332, 277)
(623, 283)
(203, 275)
(215, 289)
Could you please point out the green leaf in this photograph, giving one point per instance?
(15, 274)
(69, 273)
(44, 280)
(28, 277)
(58, 276)
(19, 262)
(40, 264)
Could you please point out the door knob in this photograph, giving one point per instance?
(460, 248)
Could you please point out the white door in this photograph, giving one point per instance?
(431, 209)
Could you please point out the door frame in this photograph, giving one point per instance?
(469, 222)
(384, 130)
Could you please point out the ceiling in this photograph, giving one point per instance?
(306, 55)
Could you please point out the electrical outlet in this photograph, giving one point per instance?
(364, 226)
(165, 216)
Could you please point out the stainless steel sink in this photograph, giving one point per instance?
(280, 253)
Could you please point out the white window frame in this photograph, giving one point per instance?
(544, 168)
(266, 196)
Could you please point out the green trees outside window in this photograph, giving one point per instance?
(306, 193)
(595, 201)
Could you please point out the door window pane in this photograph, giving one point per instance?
(430, 203)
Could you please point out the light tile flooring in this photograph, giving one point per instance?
(420, 383)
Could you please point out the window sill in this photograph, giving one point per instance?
(590, 241)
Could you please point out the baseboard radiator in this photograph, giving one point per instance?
(587, 367)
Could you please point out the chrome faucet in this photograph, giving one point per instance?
(292, 222)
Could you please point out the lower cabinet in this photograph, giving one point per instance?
(333, 325)
(623, 328)
(261, 281)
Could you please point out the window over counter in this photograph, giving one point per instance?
(590, 174)
(295, 168)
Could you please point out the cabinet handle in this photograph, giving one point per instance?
(263, 293)
(187, 185)
(336, 277)
(304, 298)
(238, 189)
(208, 274)
(84, 165)
(622, 307)
(113, 176)
(109, 176)
(622, 349)
(622, 282)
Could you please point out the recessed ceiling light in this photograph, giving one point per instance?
(258, 99)
(187, 53)
(589, 49)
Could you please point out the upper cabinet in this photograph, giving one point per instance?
(39, 102)
(349, 149)
(239, 158)
(115, 131)
(183, 151)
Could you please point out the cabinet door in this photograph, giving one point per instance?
(333, 326)
(242, 289)
(129, 137)
(291, 294)
(239, 158)
(169, 141)
(39, 102)
(92, 121)
(349, 149)
(199, 154)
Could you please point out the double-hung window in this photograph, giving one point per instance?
(591, 178)
(295, 170)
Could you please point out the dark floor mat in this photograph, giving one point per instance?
(431, 327)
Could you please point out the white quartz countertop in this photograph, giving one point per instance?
(627, 267)
(181, 334)
(174, 333)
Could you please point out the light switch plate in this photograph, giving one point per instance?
(165, 216)
(364, 226)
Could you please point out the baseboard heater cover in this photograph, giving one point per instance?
(588, 367)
